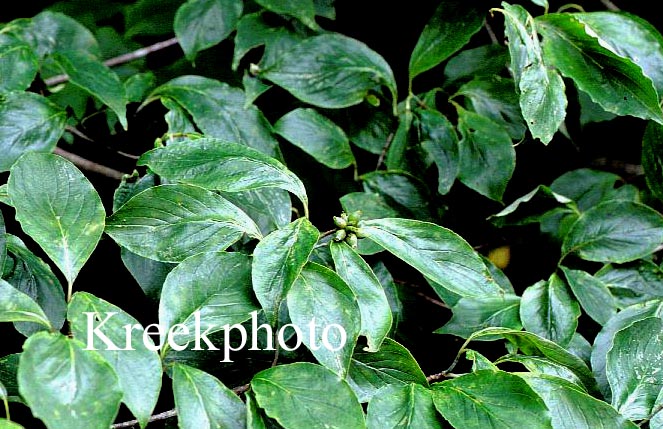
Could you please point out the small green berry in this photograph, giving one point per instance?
(354, 218)
(359, 233)
(340, 235)
(340, 222)
(351, 239)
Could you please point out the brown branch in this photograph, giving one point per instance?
(122, 59)
(385, 148)
(610, 5)
(88, 165)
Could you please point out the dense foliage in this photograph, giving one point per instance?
(311, 236)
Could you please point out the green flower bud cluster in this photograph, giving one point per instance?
(348, 228)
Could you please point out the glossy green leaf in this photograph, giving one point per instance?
(169, 223)
(277, 261)
(52, 32)
(304, 10)
(549, 310)
(571, 408)
(218, 110)
(402, 407)
(487, 157)
(28, 123)
(203, 402)
(391, 289)
(90, 74)
(615, 231)
(138, 368)
(270, 208)
(589, 188)
(67, 386)
(316, 135)
(652, 158)
(253, 88)
(331, 71)
(204, 293)
(255, 418)
(611, 80)
(4, 195)
(403, 191)
(18, 64)
(438, 253)
(531, 344)
(604, 339)
(391, 365)
(495, 98)
(479, 361)
(492, 399)
(221, 165)
(483, 61)
(8, 371)
(320, 293)
(633, 367)
(15, 306)
(3, 243)
(150, 17)
(449, 29)
(307, 396)
(440, 141)
(254, 30)
(369, 129)
(632, 283)
(529, 208)
(200, 24)
(373, 304)
(471, 314)
(631, 37)
(396, 152)
(66, 217)
(542, 91)
(32, 276)
(593, 295)
(137, 86)
(6, 424)
(544, 366)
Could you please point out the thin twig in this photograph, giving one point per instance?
(491, 33)
(390, 137)
(77, 133)
(122, 59)
(86, 164)
(610, 5)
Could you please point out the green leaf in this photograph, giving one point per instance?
(487, 157)
(15, 306)
(203, 402)
(200, 24)
(495, 98)
(593, 295)
(319, 293)
(549, 310)
(307, 396)
(406, 193)
(632, 283)
(18, 64)
(28, 123)
(88, 73)
(614, 82)
(331, 71)
(8, 370)
(438, 253)
(542, 91)
(304, 10)
(479, 361)
(219, 111)
(449, 29)
(633, 367)
(630, 37)
(402, 407)
(531, 207)
(169, 223)
(531, 344)
(483, 61)
(32, 276)
(589, 188)
(221, 165)
(150, 17)
(138, 368)
(615, 231)
(204, 293)
(571, 408)
(66, 385)
(543, 366)
(391, 365)
(604, 339)
(3, 243)
(4, 195)
(277, 261)
(270, 208)
(473, 313)
(374, 307)
(494, 399)
(66, 217)
(370, 128)
(138, 85)
(316, 135)
(440, 141)
(253, 88)
(652, 160)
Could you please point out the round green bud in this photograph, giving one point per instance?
(340, 222)
(340, 235)
(354, 218)
(351, 239)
